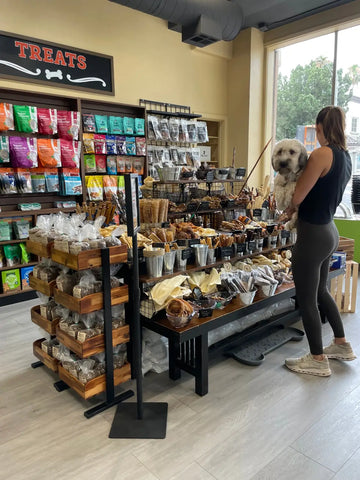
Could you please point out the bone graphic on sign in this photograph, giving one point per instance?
(55, 74)
(86, 79)
(20, 68)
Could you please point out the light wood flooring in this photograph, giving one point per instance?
(256, 423)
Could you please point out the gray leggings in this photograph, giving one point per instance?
(311, 258)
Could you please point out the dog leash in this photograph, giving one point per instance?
(257, 161)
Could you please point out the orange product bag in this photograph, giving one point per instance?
(110, 186)
(6, 117)
(128, 165)
(49, 152)
(120, 164)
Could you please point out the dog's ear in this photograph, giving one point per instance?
(303, 157)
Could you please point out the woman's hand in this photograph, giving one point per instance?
(287, 214)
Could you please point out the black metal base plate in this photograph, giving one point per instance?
(127, 425)
(252, 352)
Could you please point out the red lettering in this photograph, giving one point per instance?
(35, 52)
(22, 46)
(48, 52)
(59, 59)
(71, 57)
(81, 62)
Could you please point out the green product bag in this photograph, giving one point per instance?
(139, 126)
(25, 257)
(11, 280)
(101, 123)
(4, 149)
(5, 231)
(129, 125)
(25, 118)
(90, 163)
(116, 125)
(12, 254)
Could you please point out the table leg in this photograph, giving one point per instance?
(201, 365)
(174, 354)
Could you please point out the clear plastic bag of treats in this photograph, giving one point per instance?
(88, 322)
(49, 271)
(64, 316)
(62, 354)
(86, 285)
(100, 367)
(99, 323)
(75, 326)
(43, 232)
(86, 370)
(118, 316)
(112, 241)
(66, 280)
(46, 309)
(120, 355)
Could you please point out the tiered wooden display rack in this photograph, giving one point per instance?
(90, 303)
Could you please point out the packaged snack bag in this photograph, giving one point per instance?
(110, 186)
(88, 122)
(129, 125)
(23, 152)
(101, 124)
(52, 180)
(12, 254)
(94, 187)
(5, 231)
(138, 166)
(140, 146)
(100, 163)
(11, 280)
(183, 131)
(70, 181)
(38, 180)
(25, 282)
(25, 118)
(121, 145)
(139, 126)
(70, 153)
(130, 146)
(100, 144)
(164, 129)
(88, 142)
(6, 117)
(202, 132)
(7, 181)
(121, 183)
(174, 125)
(4, 149)
(47, 121)
(68, 124)
(90, 163)
(49, 152)
(128, 165)
(120, 164)
(116, 125)
(23, 180)
(192, 131)
(154, 132)
(111, 166)
(111, 145)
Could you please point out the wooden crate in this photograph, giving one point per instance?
(89, 258)
(96, 385)
(93, 302)
(347, 245)
(39, 249)
(39, 353)
(94, 344)
(48, 325)
(47, 288)
(343, 288)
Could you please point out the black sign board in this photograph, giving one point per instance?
(132, 204)
(38, 61)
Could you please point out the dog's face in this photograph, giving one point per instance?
(289, 156)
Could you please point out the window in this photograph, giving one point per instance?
(354, 124)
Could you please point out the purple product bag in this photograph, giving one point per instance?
(23, 152)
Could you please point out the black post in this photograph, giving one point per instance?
(109, 360)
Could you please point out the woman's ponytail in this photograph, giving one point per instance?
(333, 123)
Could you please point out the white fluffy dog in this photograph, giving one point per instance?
(288, 159)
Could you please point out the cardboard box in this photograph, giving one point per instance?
(11, 280)
(24, 275)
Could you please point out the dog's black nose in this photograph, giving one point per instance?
(283, 164)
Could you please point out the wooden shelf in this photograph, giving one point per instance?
(187, 181)
(89, 258)
(47, 288)
(21, 265)
(96, 385)
(92, 345)
(48, 325)
(8, 242)
(46, 359)
(39, 249)
(22, 213)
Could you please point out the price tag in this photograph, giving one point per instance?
(252, 245)
(285, 233)
(210, 176)
(226, 252)
(257, 212)
(186, 253)
(193, 241)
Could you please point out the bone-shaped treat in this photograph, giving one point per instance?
(56, 74)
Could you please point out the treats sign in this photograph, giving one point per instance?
(24, 58)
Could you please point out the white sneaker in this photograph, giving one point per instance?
(308, 364)
(341, 351)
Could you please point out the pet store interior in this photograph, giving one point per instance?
(147, 302)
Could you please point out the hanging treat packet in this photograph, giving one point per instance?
(111, 167)
(94, 187)
(121, 145)
(164, 129)
(88, 142)
(100, 163)
(70, 153)
(6, 117)
(192, 131)
(202, 132)
(138, 166)
(101, 124)
(88, 122)
(111, 145)
(47, 121)
(4, 149)
(38, 180)
(68, 124)
(23, 181)
(120, 160)
(100, 144)
(196, 157)
(183, 131)
(154, 132)
(128, 165)
(90, 163)
(23, 152)
(70, 182)
(12, 255)
(174, 124)
(174, 155)
(139, 126)
(25, 118)
(130, 146)
(140, 146)
(129, 125)
(52, 180)
(7, 181)
(21, 229)
(25, 257)
(116, 125)
(49, 152)
(110, 186)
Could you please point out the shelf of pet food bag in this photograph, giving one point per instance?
(49, 361)
(92, 345)
(89, 258)
(188, 346)
(48, 325)
(18, 265)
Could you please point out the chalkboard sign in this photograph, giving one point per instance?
(257, 212)
(285, 234)
(240, 247)
(193, 241)
(251, 246)
(225, 252)
(186, 253)
(39, 61)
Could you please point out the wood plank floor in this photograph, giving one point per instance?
(256, 423)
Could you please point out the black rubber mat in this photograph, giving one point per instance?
(252, 352)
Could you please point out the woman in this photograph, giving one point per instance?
(318, 192)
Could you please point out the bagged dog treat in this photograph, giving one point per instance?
(38, 183)
(70, 153)
(23, 180)
(111, 145)
(23, 152)
(88, 142)
(89, 122)
(128, 165)
(21, 229)
(138, 166)
(120, 164)
(121, 145)
(183, 131)
(110, 186)
(70, 182)
(130, 146)
(100, 144)
(164, 129)
(94, 187)
(202, 132)
(6, 117)
(192, 131)
(139, 126)
(5, 231)
(25, 257)
(101, 124)
(140, 146)
(65, 281)
(25, 118)
(47, 121)
(49, 152)
(90, 163)
(174, 124)
(68, 124)
(52, 180)
(129, 125)
(154, 132)
(111, 167)
(7, 181)
(4, 149)
(116, 125)
(100, 163)
(12, 255)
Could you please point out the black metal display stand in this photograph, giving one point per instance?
(137, 420)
